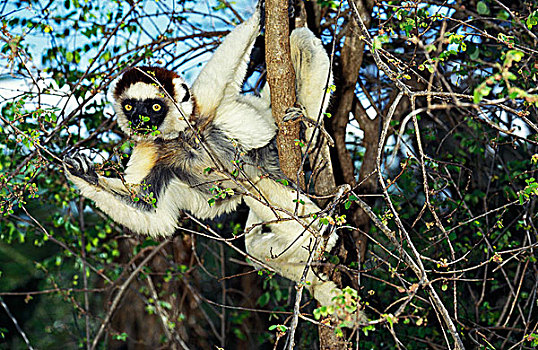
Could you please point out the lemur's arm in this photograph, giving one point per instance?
(313, 77)
(151, 202)
(225, 71)
(129, 207)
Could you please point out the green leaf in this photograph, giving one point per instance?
(283, 181)
(521, 197)
(503, 15)
(515, 55)
(379, 40)
(474, 53)
(278, 295)
(264, 299)
(510, 76)
(121, 337)
(240, 335)
(482, 8)
(480, 92)
(532, 20)
(317, 314)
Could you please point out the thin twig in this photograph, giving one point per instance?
(14, 320)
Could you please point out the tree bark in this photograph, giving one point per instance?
(281, 80)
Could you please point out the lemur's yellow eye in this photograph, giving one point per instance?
(157, 107)
(128, 107)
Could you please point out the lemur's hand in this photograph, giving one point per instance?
(260, 7)
(80, 166)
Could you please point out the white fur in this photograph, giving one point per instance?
(218, 90)
(140, 163)
(162, 220)
(313, 66)
(224, 73)
(239, 120)
(154, 223)
(289, 244)
(141, 91)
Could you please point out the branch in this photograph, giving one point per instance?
(19, 329)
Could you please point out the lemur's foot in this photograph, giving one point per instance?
(344, 303)
(79, 165)
(299, 113)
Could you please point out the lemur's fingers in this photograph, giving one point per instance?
(78, 162)
(261, 8)
(81, 166)
(71, 164)
(85, 163)
(291, 9)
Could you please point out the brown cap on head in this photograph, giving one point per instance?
(146, 75)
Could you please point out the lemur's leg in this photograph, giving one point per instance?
(115, 199)
(312, 75)
(223, 75)
(312, 69)
(288, 245)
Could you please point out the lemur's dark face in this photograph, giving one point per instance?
(147, 114)
(152, 102)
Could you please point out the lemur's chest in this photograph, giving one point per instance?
(184, 160)
(177, 158)
(141, 163)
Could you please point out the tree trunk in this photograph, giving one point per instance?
(281, 80)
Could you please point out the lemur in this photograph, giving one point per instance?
(206, 148)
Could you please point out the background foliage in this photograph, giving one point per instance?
(435, 122)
